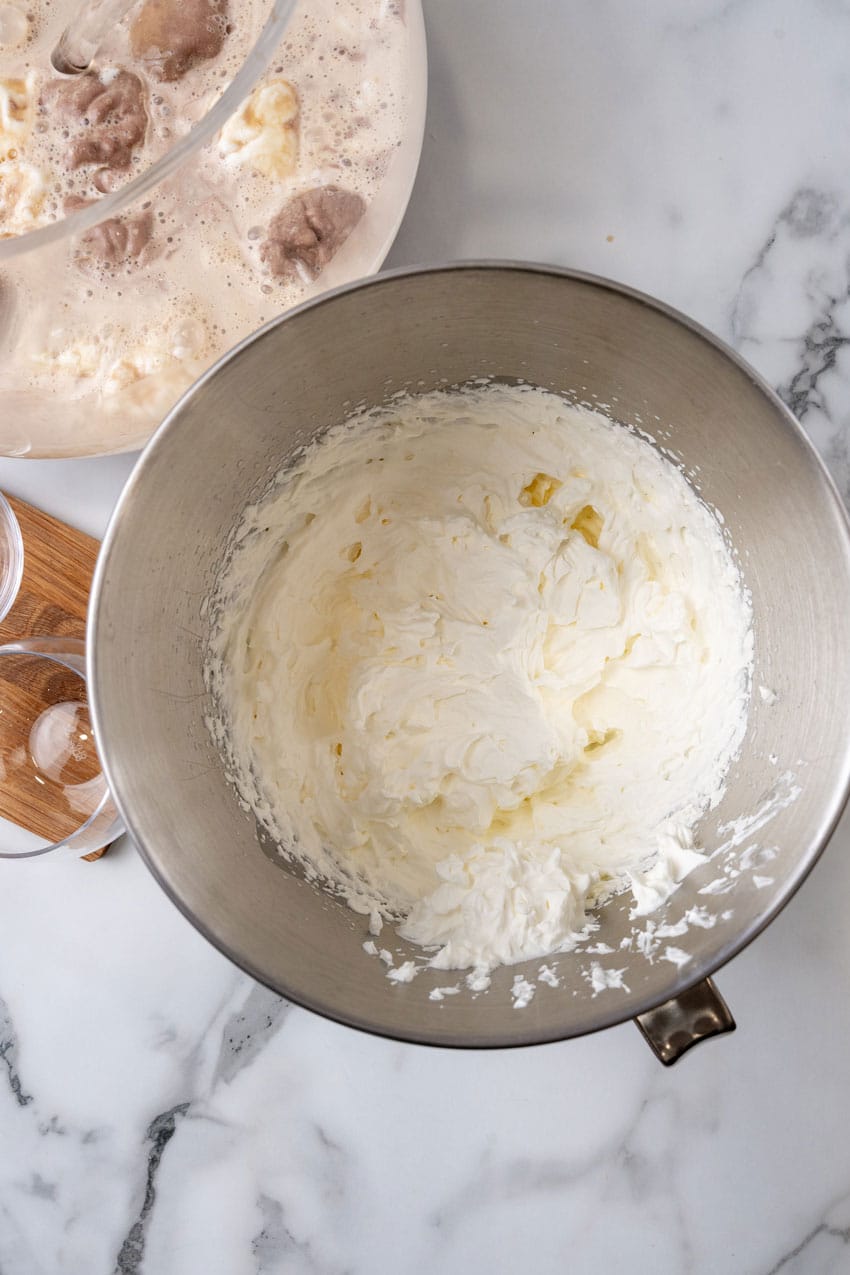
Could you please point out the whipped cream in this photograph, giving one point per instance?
(480, 660)
(264, 131)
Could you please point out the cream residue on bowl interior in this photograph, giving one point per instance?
(482, 658)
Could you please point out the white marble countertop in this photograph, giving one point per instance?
(160, 1114)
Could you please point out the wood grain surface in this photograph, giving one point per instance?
(52, 602)
(58, 568)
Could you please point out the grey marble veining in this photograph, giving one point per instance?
(160, 1114)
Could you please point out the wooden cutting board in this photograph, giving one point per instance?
(58, 568)
(52, 601)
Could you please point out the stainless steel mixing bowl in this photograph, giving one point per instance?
(421, 329)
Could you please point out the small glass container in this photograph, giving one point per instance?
(11, 557)
(53, 794)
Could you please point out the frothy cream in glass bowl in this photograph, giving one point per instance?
(99, 334)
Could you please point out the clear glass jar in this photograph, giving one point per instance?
(52, 791)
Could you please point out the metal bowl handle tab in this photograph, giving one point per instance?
(672, 1028)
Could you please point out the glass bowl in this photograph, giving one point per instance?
(52, 791)
(94, 355)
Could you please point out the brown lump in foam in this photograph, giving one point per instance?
(109, 120)
(309, 229)
(172, 36)
(114, 242)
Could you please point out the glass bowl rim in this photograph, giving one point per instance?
(10, 586)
